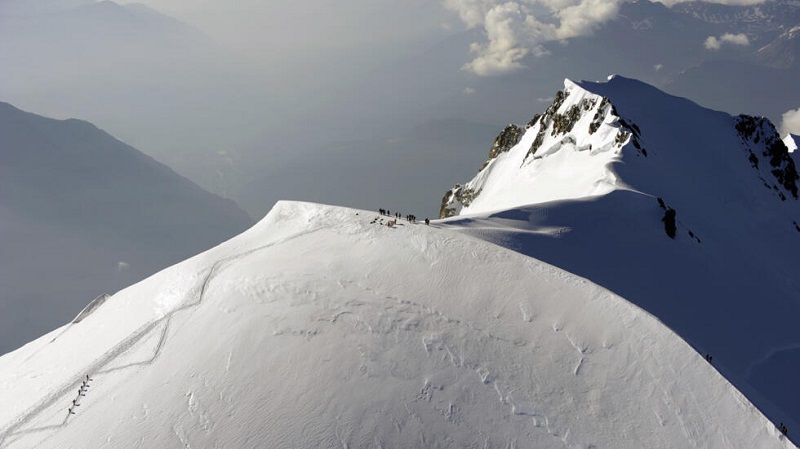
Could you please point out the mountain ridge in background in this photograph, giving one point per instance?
(85, 214)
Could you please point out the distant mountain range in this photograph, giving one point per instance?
(153, 81)
(84, 214)
(666, 47)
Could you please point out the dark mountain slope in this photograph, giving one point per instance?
(85, 214)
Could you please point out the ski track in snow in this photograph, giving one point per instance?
(97, 367)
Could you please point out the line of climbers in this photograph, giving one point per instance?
(398, 216)
(81, 392)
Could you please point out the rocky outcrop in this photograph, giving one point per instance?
(509, 137)
(504, 141)
(762, 143)
(457, 196)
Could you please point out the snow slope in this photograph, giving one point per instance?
(726, 282)
(320, 327)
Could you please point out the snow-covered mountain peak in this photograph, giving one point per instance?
(768, 15)
(597, 137)
(563, 153)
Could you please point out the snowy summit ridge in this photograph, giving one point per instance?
(577, 148)
(305, 332)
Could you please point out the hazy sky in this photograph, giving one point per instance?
(284, 34)
(285, 30)
(301, 88)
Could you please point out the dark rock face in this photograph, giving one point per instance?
(509, 137)
(669, 222)
(458, 194)
(445, 210)
(598, 116)
(504, 141)
(550, 117)
(762, 142)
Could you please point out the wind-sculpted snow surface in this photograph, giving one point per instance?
(320, 328)
(700, 225)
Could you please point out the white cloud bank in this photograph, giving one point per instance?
(513, 29)
(790, 122)
(715, 43)
(516, 29)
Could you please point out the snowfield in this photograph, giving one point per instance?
(322, 327)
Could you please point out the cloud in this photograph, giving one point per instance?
(658, 67)
(516, 29)
(469, 91)
(508, 41)
(790, 122)
(712, 43)
(471, 12)
(715, 43)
